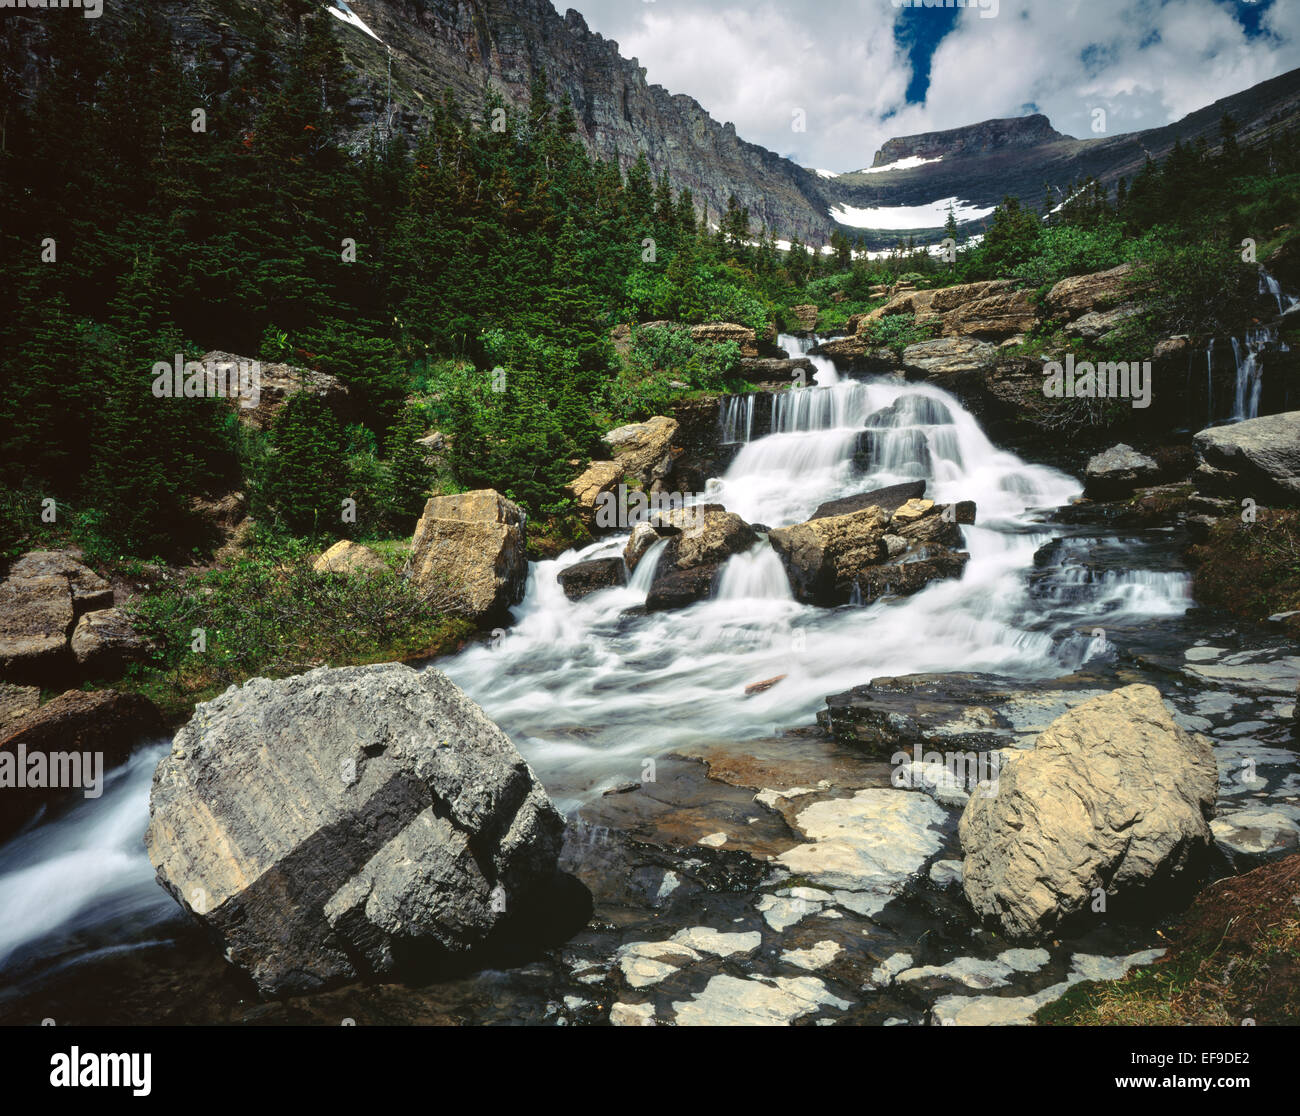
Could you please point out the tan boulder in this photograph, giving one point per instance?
(823, 556)
(40, 599)
(276, 384)
(806, 315)
(596, 480)
(644, 449)
(468, 552)
(1078, 294)
(345, 556)
(16, 702)
(743, 336)
(104, 643)
(1113, 797)
(997, 316)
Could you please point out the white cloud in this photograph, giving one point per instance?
(1149, 62)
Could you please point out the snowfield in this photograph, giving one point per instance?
(930, 216)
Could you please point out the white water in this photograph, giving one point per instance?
(86, 869)
(590, 689)
(1250, 374)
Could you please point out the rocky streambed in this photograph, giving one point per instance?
(749, 846)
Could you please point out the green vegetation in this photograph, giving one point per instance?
(1234, 956)
(1251, 569)
(269, 614)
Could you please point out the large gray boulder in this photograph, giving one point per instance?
(1118, 471)
(1114, 796)
(1259, 458)
(352, 822)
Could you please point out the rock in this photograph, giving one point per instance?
(743, 336)
(937, 305)
(887, 499)
(1097, 323)
(1078, 294)
(824, 556)
(969, 713)
(674, 588)
(707, 535)
(906, 578)
(88, 589)
(806, 315)
(104, 643)
(278, 384)
(367, 821)
(644, 450)
(994, 316)
(775, 373)
(40, 600)
(1117, 472)
(946, 357)
(589, 577)
(347, 557)
(1114, 795)
(1262, 456)
(469, 549)
(16, 703)
(102, 724)
(596, 480)
(35, 618)
(643, 537)
(1172, 348)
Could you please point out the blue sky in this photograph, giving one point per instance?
(864, 70)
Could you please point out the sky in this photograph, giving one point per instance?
(863, 71)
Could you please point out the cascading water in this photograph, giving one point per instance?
(1250, 374)
(589, 689)
(1270, 286)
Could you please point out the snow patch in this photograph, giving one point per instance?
(341, 11)
(902, 164)
(930, 216)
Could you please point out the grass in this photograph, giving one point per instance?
(1251, 570)
(270, 614)
(1234, 956)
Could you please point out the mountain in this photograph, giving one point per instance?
(405, 53)
(982, 163)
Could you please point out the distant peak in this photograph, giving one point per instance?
(973, 139)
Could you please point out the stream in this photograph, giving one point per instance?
(590, 690)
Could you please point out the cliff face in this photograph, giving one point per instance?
(473, 47)
(974, 139)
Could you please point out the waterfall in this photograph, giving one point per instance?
(588, 689)
(1250, 376)
(1270, 286)
(736, 415)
